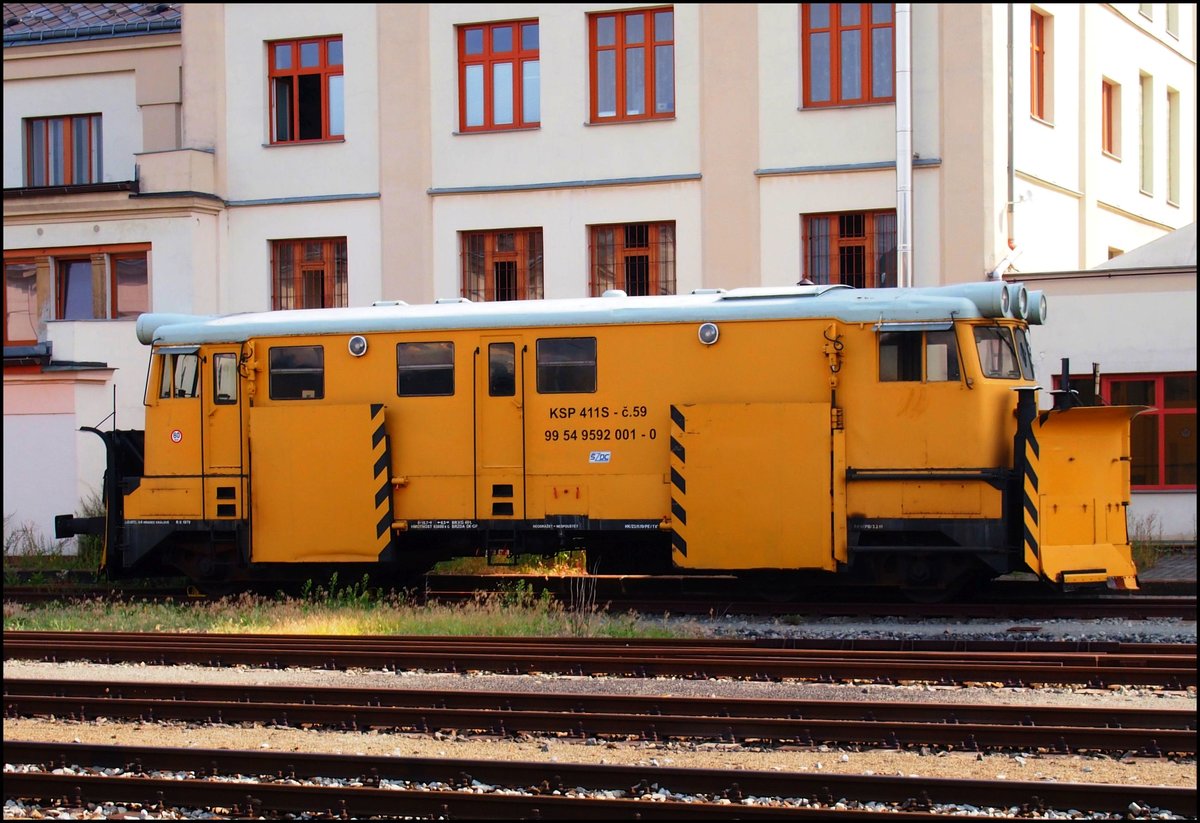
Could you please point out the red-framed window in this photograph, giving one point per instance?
(637, 258)
(1163, 440)
(73, 283)
(307, 89)
(632, 57)
(1037, 64)
(505, 264)
(499, 76)
(310, 273)
(63, 151)
(1109, 117)
(852, 248)
(849, 53)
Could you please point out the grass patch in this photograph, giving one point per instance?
(560, 564)
(1145, 538)
(26, 550)
(515, 611)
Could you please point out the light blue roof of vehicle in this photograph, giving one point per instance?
(841, 303)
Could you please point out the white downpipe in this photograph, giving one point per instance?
(904, 153)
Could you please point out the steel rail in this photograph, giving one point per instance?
(1168, 670)
(889, 734)
(915, 794)
(722, 645)
(580, 703)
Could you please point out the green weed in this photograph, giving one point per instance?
(515, 613)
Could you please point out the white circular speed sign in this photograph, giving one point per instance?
(176, 436)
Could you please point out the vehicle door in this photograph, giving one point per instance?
(500, 428)
(221, 403)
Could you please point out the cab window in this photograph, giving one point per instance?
(913, 356)
(997, 353)
(179, 375)
(297, 373)
(1024, 352)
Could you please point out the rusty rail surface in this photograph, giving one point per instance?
(805, 722)
(914, 795)
(1017, 663)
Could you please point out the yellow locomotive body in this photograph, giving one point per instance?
(892, 435)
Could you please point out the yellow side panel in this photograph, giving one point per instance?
(1079, 481)
(941, 499)
(751, 486)
(435, 497)
(972, 499)
(566, 498)
(320, 488)
(177, 498)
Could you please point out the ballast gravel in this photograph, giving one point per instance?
(1026, 766)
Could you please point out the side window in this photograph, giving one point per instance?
(941, 356)
(225, 378)
(997, 355)
(424, 369)
(900, 356)
(502, 369)
(566, 365)
(179, 375)
(297, 373)
(910, 356)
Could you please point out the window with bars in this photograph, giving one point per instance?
(499, 76)
(1163, 439)
(307, 89)
(637, 258)
(63, 151)
(309, 274)
(852, 248)
(1038, 27)
(74, 283)
(632, 57)
(849, 53)
(505, 264)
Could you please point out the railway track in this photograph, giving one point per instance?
(891, 725)
(1098, 664)
(280, 782)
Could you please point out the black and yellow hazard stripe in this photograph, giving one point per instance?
(1029, 493)
(1025, 497)
(678, 483)
(381, 451)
